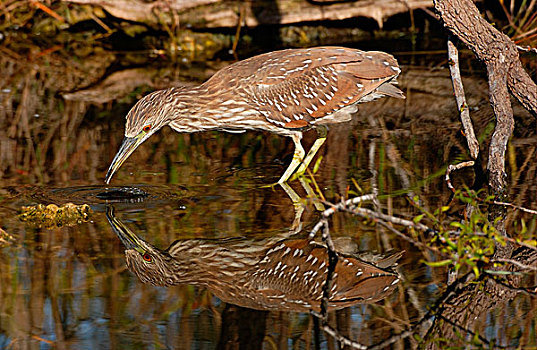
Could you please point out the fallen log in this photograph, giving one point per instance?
(226, 14)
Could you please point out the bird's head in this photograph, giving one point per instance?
(148, 263)
(147, 116)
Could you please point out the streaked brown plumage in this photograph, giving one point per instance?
(269, 274)
(285, 92)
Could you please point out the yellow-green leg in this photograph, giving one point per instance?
(297, 158)
(321, 132)
(299, 205)
(311, 194)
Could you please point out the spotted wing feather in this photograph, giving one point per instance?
(295, 272)
(359, 280)
(297, 88)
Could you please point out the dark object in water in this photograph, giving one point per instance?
(122, 193)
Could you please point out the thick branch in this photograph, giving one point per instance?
(499, 98)
(504, 70)
(463, 19)
(522, 87)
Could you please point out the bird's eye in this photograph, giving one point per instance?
(147, 127)
(147, 257)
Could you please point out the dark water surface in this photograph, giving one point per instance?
(69, 288)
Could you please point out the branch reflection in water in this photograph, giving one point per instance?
(277, 273)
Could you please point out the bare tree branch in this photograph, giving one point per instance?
(462, 106)
(505, 73)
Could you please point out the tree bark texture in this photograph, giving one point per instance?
(505, 74)
(225, 13)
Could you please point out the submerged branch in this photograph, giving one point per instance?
(452, 168)
(516, 263)
(526, 210)
(529, 291)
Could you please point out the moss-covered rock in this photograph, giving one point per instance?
(54, 216)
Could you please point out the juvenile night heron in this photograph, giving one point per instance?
(285, 92)
(269, 274)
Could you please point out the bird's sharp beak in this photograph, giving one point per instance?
(127, 237)
(128, 146)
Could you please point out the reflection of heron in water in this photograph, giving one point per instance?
(266, 274)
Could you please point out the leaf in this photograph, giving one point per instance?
(531, 242)
(439, 263)
(317, 164)
(524, 227)
(451, 244)
(355, 183)
(503, 273)
(418, 218)
(476, 271)
(457, 225)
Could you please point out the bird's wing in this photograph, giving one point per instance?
(294, 88)
(298, 269)
(359, 280)
(291, 268)
(277, 66)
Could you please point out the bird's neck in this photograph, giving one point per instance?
(213, 265)
(202, 109)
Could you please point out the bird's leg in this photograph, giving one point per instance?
(299, 205)
(297, 158)
(321, 137)
(311, 194)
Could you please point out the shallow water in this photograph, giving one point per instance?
(68, 287)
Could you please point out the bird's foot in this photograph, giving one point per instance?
(272, 185)
(280, 182)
